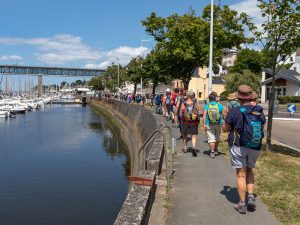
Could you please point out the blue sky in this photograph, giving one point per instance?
(90, 33)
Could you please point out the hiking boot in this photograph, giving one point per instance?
(216, 152)
(194, 152)
(251, 202)
(240, 207)
(212, 154)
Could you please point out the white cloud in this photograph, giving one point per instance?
(121, 55)
(10, 57)
(250, 7)
(59, 49)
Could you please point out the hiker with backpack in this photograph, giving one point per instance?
(212, 121)
(166, 104)
(189, 113)
(158, 103)
(178, 104)
(232, 103)
(245, 125)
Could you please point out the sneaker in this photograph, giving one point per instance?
(240, 207)
(251, 202)
(216, 152)
(212, 154)
(194, 152)
(184, 149)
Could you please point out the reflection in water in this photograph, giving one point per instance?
(65, 165)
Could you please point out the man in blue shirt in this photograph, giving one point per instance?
(245, 125)
(212, 117)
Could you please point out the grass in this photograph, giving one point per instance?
(277, 176)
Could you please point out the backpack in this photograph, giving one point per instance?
(252, 134)
(214, 114)
(157, 100)
(168, 100)
(190, 113)
(233, 104)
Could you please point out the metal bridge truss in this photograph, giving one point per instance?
(48, 71)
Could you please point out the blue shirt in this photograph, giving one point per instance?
(207, 121)
(235, 119)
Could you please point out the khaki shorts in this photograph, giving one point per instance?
(243, 157)
(213, 134)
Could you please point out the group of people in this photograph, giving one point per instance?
(242, 117)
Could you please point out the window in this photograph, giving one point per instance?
(283, 58)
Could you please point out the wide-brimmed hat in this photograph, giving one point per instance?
(245, 92)
(231, 96)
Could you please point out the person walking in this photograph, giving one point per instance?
(245, 125)
(189, 113)
(212, 116)
(167, 104)
(179, 102)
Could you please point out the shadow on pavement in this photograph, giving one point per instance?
(230, 193)
(207, 152)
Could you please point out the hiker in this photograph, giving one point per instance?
(157, 102)
(166, 104)
(175, 93)
(212, 121)
(245, 125)
(189, 113)
(232, 103)
(179, 101)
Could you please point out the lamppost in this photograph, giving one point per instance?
(211, 47)
(118, 75)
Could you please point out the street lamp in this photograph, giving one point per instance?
(211, 47)
(118, 75)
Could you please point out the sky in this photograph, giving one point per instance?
(86, 34)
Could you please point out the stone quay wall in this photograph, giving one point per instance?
(136, 124)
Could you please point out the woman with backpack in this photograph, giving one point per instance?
(189, 113)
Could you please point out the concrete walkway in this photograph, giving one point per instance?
(203, 191)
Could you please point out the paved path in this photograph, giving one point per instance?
(287, 132)
(203, 192)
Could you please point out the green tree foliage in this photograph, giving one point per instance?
(233, 80)
(134, 71)
(248, 59)
(280, 35)
(153, 70)
(183, 41)
(97, 83)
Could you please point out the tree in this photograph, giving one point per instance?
(233, 80)
(248, 59)
(110, 77)
(153, 70)
(97, 83)
(183, 41)
(280, 35)
(134, 71)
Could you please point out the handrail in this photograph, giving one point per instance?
(149, 139)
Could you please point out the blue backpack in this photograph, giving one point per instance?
(157, 100)
(253, 133)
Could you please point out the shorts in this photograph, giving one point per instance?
(213, 134)
(189, 128)
(243, 157)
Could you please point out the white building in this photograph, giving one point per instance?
(287, 83)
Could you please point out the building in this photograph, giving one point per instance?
(199, 83)
(229, 58)
(296, 64)
(287, 83)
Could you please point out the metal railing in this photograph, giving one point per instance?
(148, 140)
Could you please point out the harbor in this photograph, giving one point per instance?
(61, 164)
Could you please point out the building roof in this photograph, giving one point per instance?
(218, 80)
(286, 74)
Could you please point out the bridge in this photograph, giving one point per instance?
(48, 71)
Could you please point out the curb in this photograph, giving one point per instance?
(285, 119)
(285, 145)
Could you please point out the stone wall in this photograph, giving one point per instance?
(136, 124)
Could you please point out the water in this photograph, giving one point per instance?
(64, 165)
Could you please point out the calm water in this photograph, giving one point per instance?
(61, 166)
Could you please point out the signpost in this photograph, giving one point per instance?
(291, 108)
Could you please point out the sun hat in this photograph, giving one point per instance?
(231, 96)
(245, 92)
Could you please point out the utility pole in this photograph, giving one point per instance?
(211, 47)
(118, 75)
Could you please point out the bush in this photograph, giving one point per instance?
(289, 99)
(223, 95)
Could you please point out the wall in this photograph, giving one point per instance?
(292, 89)
(136, 124)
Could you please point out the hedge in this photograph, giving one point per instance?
(288, 99)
